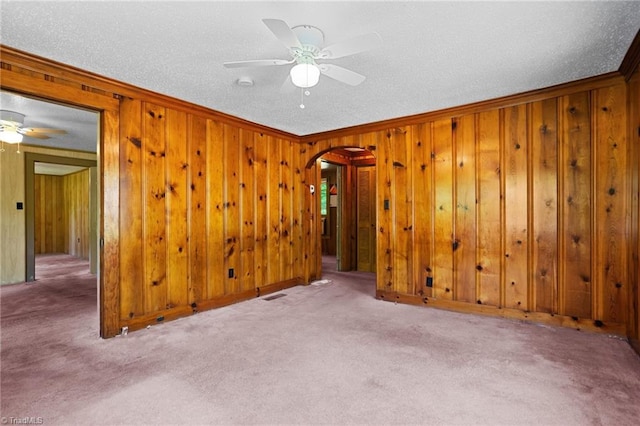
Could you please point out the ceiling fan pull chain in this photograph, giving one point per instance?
(301, 98)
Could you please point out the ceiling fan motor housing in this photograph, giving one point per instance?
(311, 38)
(308, 34)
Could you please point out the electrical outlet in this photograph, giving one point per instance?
(429, 282)
(231, 273)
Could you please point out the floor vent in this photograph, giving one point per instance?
(275, 296)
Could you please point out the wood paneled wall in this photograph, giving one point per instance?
(51, 225)
(516, 211)
(210, 213)
(62, 214)
(517, 207)
(633, 239)
(77, 191)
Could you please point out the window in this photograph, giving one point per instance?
(324, 192)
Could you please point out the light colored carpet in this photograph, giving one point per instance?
(323, 354)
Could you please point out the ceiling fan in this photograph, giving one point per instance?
(305, 44)
(12, 128)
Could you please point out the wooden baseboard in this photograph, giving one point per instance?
(535, 317)
(155, 318)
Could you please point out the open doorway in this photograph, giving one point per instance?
(64, 217)
(348, 210)
(49, 172)
(330, 213)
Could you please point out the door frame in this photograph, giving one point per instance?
(35, 77)
(347, 220)
(30, 158)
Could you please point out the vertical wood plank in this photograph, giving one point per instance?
(633, 172)
(38, 242)
(544, 195)
(132, 279)
(516, 213)
(489, 214)
(384, 246)
(611, 283)
(197, 202)
(49, 222)
(274, 209)
(260, 148)
(216, 274)
(154, 220)
(109, 282)
(422, 207)
(310, 230)
(400, 143)
(177, 170)
(232, 259)
(314, 254)
(285, 210)
(443, 205)
(298, 192)
(575, 244)
(464, 245)
(247, 211)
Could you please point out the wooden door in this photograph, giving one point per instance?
(366, 218)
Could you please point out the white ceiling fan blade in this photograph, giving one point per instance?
(351, 47)
(257, 63)
(340, 74)
(282, 31)
(26, 130)
(287, 85)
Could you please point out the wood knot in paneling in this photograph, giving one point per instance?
(137, 142)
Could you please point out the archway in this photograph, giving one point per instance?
(347, 208)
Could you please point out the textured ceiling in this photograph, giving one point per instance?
(434, 54)
(81, 125)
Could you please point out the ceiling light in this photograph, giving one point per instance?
(245, 82)
(10, 136)
(305, 75)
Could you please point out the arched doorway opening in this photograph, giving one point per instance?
(347, 205)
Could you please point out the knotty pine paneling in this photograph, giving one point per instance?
(422, 196)
(210, 213)
(214, 200)
(515, 175)
(176, 208)
(611, 284)
(445, 243)
(543, 198)
(524, 206)
(197, 208)
(633, 248)
(633, 177)
(464, 209)
(154, 214)
(77, 190)
(131, 284)
(384, 252)
(62, 214)
(575, 199)
(51, 225)
(125, 261)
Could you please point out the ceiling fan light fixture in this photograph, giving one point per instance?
(10, 136)
(305, 75)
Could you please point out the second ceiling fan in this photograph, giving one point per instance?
(305, 44)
